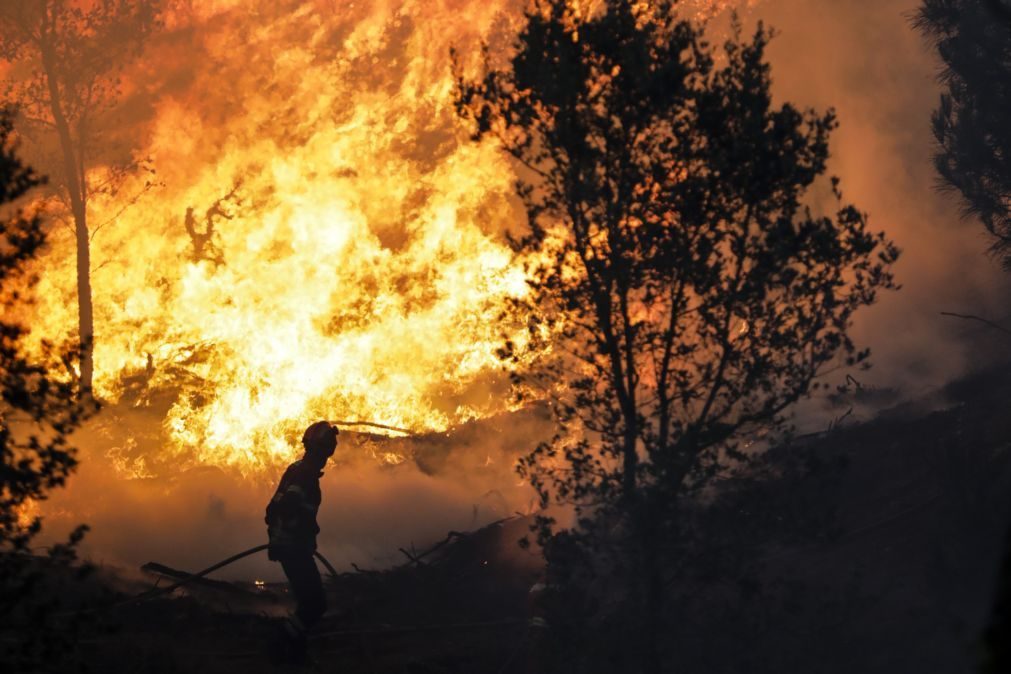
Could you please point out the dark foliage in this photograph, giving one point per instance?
(682, 292)
(37, 413)
(997, 637)
(973, 39)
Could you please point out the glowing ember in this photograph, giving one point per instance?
(26, 513)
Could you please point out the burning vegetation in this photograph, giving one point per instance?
(562, 266)
(284, 219)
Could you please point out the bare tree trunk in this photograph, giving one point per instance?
(78, 207)
(630, 460)
(653, 590)
(85, 316)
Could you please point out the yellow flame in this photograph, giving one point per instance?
(344, 257)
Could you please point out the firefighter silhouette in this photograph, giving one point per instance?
(292, 530)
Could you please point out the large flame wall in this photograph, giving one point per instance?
(356, 267)
(355, 272)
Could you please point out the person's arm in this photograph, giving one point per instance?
(291, 503)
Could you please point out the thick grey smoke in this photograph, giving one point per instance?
(370, 509)
(865, 60)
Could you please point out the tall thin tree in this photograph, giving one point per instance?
(73, 55)
(38, 411)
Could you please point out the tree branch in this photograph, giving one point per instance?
(971, 317)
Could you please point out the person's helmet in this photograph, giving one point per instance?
(321, 437)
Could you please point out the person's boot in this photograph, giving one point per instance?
(298, 645)
(289, 646)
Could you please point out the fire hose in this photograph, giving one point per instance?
(158, 592)
(259, 548)
(223, 563)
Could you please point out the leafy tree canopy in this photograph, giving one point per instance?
(973, 39)
(691, 293)
(682, 293)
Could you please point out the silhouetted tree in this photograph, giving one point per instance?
(75, 53)
(682, 297)
(973, 39)
(37, 412)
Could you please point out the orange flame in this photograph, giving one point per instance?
(324, 242)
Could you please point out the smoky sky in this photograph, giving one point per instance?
(866, 61)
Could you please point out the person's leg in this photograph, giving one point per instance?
(307, 588)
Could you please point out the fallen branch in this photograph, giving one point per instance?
(372, 424)
(163, 571)
(365, 572)
(411, 557)
(970, 317)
